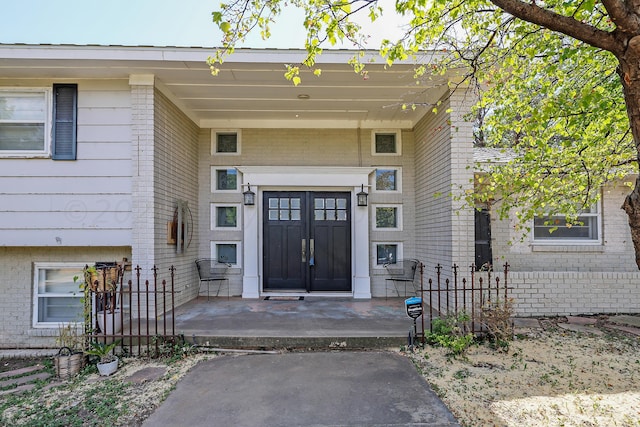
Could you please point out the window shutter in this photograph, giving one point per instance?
(65, 112)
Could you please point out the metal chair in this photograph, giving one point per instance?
(403, 271)
(211, 270)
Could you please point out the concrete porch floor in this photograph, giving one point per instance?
(315, 322)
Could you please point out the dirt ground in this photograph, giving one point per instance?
(548, 377)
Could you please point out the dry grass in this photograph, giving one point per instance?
(549, 377)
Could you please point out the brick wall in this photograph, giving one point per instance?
(16, 287)
(443, 152)
(566, 293)
(175, 177)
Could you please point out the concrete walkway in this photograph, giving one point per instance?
(303, 389)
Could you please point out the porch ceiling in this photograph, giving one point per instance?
(250, 91)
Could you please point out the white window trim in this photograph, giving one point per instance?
(214, 180)
(214, 221)
(398, 217)
(398, 179)
(46, 151)
(214, 254)
(398, 134)
(214, 142)
(374, 252)
(53, 265)
(572, 242)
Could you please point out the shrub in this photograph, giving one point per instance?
(451, 333)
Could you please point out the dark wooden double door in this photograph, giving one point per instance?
(307, 241)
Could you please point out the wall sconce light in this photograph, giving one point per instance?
(362, 197)
(249, 196)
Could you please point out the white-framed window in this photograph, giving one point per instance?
(388, 179)
(229, 252)
(225, 179)
(25, 122)
(386, 142)
(554, 229)
(225, 216)
(226, 142)
(387, 217)
(386, 253)
(57, 299)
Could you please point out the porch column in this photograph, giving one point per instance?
(361, 278)
(142, 179)
(251, 265)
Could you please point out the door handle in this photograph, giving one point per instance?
(312, 251)
(304, 250)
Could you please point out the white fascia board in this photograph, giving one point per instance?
(304, 124)
(180, 54)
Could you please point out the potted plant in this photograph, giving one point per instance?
(70, 357)
(107, 361)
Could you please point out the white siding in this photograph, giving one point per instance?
(86, 202)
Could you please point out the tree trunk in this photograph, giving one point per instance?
(629, 71)
(632, 208)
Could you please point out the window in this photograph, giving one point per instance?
(388, 217)
(225, 217)
(554, 229)
(57, 298)
(387, 253)
(387, 179)
(284, 209)
(224, 179)
(225, 142)
(329, 209)
(228, 252)
(25, 122)
(32, 126)
(385, 142)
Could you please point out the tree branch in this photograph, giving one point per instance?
(534, 14)
(620, 14)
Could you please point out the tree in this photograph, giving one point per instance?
(558, 82)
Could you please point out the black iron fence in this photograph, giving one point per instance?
(469, 298)
(136, 313)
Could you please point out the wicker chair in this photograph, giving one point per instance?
(212, 271)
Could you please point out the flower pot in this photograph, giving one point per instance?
(107, 368)
(113, 322)
(67, 363)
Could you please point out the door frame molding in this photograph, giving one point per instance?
(304, 178)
